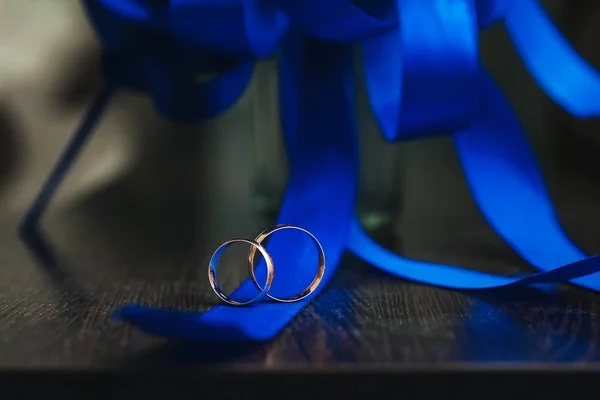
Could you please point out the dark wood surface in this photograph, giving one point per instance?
(144, 235)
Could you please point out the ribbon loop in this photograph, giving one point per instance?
(137, 56)
(142, 13)
(178, 93)
(422, 75)
(241, 27)
(342, 21)
(565, 76)
(491, 11)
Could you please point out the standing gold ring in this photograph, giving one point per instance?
(320, 271)
(212, 271)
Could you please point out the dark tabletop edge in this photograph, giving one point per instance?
(414, 381)
(408, 369)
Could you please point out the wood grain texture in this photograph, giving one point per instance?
(119, 245)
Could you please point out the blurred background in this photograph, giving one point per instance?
(49, 73)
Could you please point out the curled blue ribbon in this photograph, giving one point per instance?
(555, 65)
(423, 77)
(499, 166)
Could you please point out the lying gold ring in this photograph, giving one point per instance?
(318, 277)
(212, 271)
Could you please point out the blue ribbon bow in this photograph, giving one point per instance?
(423, 77)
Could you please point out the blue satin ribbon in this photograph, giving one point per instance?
(140, 53)
(423, 77)
(340, 21)
(555, 65)
(491, 11)
(508, 187)
(498, 163)
(320, 197)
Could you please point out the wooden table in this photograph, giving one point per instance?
(118, 247)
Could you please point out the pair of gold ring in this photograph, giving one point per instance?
(256, 244)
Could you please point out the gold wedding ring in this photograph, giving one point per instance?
(256, 244)
(212, 271)
(320, 269)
